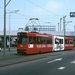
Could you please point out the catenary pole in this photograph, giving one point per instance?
(5, 25)
(64, 24)
(60, 23)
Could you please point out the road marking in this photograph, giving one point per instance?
(59, 59)
(61, 68)
(73, 62)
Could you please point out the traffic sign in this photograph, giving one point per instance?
(72, 14)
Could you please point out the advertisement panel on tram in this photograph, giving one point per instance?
(58, 43)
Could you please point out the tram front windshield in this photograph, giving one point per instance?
(22, 40)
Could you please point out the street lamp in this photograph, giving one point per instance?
(14, 11)
(59, 25)
(48, 24)
(66, 23)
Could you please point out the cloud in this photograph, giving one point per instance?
(53, 5)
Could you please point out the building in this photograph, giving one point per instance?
(42, 28)
(13, 36)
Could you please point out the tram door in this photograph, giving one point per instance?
(58, 43)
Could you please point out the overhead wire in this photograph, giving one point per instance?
(38, 6)
(43, 8)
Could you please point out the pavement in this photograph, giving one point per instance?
(11, 57)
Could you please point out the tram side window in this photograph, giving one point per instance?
(50, 41)
(57, 41)
(38, 40)
(34, 40)
(61, 41)
(71, 41)
(41, 40)
(66, 41)
(44, 40)
(30, 40)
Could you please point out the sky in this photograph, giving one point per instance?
(48, 12)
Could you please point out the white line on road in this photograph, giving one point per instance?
(61, 68)
(73, 62)
(59, 59)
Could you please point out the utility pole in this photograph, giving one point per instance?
(74, 28)
(5, 25)
(64, 24)
(58, 26)
(60, 23)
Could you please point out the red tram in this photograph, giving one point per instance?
(33, 42)
(69, 43)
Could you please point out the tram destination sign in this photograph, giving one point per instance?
(72, 14)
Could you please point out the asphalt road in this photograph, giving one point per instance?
(63, 64)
